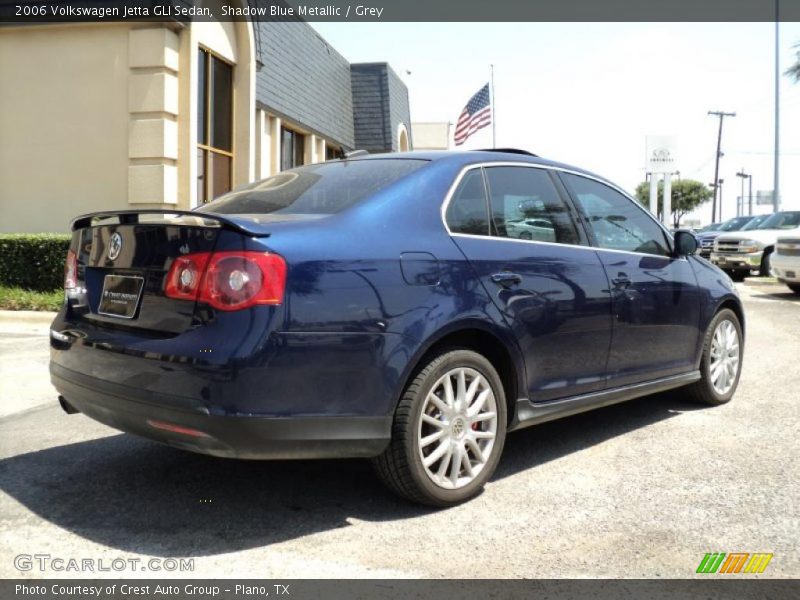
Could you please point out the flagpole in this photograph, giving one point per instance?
(494, 144)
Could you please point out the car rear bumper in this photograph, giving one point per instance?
(249, 436)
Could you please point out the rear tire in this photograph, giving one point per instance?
(721, 365)
(448, 432)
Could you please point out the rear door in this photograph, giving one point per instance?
(655, 296)
(553, 294)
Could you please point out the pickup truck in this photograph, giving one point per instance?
(786, 261)
(739, 253)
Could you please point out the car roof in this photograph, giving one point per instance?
(463, 158)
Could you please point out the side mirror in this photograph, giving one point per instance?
(685, 243)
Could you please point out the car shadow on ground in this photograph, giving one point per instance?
(786, 296)
(138, 496)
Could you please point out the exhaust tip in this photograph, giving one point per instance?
(67, 407)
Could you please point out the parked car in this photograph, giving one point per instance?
(531, 229)
(376, 307)
(786, 261)
(706, 239)
(740, 253)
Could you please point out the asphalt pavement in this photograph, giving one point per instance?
(641, 489)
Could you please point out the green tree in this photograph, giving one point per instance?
(687, 194)
(794, 70)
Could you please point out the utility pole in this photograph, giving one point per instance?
(720, 181)
(776, 202)
(721, 115)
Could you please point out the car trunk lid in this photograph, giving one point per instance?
(122, 261)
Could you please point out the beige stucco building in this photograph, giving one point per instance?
(168, 115)
(432, 136)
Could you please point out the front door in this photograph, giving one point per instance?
(655, 297)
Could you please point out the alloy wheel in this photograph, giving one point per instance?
(457, 428)
(725, 356)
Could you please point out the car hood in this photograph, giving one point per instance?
(709, 235)
(765, 236)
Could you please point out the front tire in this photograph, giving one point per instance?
(737, 276)
(766, 261)
(721, 364)
(795, 287)
(448, 431)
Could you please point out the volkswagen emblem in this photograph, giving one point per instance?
(114, 246)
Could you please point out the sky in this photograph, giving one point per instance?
(588, 94)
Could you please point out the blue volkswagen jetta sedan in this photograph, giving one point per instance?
(411, 308)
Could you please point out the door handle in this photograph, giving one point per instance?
(506, 278)
(621, 281)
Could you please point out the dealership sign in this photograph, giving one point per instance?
(660, 154)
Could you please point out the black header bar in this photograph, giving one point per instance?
(375, 11)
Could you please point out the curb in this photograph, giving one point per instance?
(27, 317)
(761, 281)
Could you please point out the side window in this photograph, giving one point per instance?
(526, 206)
(467, 212)
(616, 221)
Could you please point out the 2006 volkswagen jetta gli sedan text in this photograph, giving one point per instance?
(388, 307)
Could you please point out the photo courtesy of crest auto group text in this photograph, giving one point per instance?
(389, 300)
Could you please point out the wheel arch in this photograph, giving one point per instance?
(731, 302)
(487, 340)
(736, 306)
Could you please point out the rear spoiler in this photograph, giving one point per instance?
(132, 217)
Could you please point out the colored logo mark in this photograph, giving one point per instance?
(734, 562)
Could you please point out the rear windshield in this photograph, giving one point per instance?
(321, 189)
(781, 220)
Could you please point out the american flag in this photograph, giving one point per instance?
(476, 115)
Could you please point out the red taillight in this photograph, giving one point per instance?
(186, 275)
(228, 280)
(71, 271)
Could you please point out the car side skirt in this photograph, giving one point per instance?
(529, 413)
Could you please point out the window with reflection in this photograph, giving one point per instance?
(214, 126)
(468, 211)
(617, 222)
(526, 206)
(293, 148)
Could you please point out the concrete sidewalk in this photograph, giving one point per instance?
(24, 357)
(26, 321)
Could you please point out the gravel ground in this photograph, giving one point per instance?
(642, 489)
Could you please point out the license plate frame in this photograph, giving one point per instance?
(121, 296)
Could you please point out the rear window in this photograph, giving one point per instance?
(321, 189)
